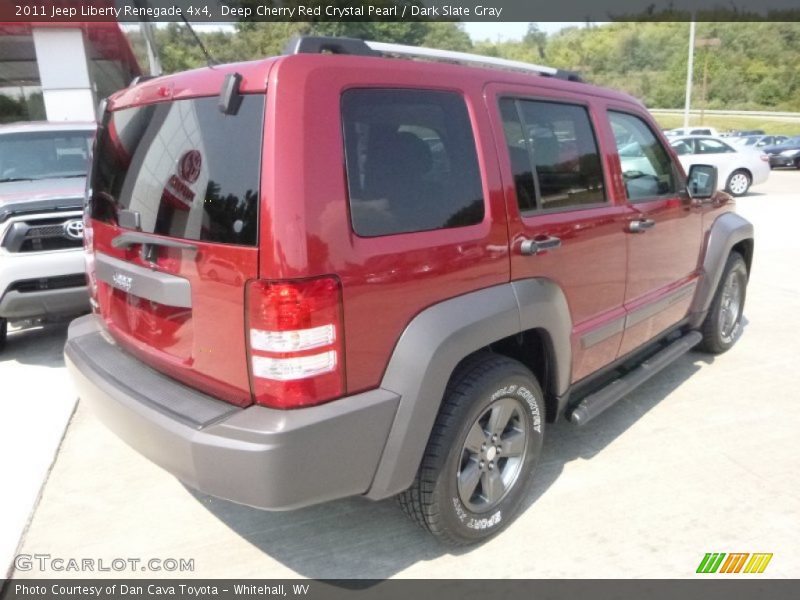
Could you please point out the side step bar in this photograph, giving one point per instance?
(593, 404)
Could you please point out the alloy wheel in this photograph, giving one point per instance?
(738, 183)
(731, 307)
(492, 455)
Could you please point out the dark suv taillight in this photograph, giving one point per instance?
(295, 337)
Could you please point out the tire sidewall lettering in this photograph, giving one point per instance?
(476, 523)
(528, 396)
(481, 522)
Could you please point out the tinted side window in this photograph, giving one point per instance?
(647, 172)
(411, 161)
(553, 154)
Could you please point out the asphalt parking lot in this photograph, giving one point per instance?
(702, 458)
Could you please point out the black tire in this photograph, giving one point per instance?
(738, 183)
(723, 323)
(3, 333)
(486, 384)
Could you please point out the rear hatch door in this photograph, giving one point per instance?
(173, 206)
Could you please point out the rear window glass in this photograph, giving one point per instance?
(411, 161)
(189, 170)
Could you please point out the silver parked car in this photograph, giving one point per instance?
(738, 167)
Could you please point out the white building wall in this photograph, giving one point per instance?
(64, 73)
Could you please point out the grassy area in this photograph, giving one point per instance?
(721, 124)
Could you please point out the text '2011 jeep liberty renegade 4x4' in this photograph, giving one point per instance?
(342, 273)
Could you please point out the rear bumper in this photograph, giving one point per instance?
(270, 459)
(776, 160)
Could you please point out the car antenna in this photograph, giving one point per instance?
(210, 60)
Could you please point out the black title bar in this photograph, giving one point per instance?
(207, 11)
(709, 588)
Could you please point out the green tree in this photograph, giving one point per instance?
(755, 65)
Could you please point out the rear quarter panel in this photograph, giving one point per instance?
(305, 221)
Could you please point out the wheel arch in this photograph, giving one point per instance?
(534, 349)
(729, 232)
(439, 338)
(745, 248)
(744, 170)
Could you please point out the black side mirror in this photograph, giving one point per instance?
(702, 181)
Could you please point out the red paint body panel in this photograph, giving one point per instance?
(193, 84)
(202, 346)
(662, 259)
(305, 222)
(305, 229)
(590, 265)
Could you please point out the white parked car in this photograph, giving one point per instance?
(42, 179)
(739, 167)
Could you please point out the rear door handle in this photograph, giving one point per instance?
(640, 225)
(535, 246)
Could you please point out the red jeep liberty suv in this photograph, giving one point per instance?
(342, 272)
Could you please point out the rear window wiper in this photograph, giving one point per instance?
(9, 179)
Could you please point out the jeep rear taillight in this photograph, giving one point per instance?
(294, 332)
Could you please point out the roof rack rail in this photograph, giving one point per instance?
(318, 44)
(342, 45)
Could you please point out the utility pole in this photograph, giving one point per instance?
(706, 43)
(689, 76)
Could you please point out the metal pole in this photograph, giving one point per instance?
(705, 87)
(146, 28)
(689, 76)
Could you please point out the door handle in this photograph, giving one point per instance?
(535, 246)
(640, 225)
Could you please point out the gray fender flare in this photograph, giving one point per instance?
(433, 344)
(727, 230)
